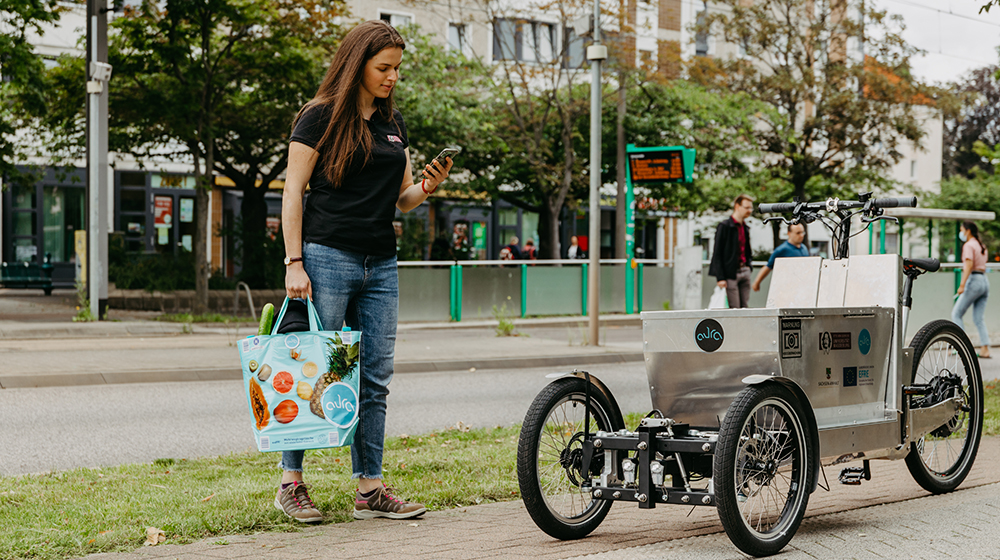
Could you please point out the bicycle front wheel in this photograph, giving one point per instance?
(550, 469)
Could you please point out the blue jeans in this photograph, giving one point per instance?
(363, 292)
(977, 291)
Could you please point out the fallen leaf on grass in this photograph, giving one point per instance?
(158, 486)
(154, 536)
(207, 498)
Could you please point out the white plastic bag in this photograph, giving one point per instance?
(719, 299)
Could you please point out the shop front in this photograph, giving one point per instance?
(40, 222)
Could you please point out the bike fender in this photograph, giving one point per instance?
(807, 409)
(619, 418)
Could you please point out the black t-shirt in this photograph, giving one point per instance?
(356, 216)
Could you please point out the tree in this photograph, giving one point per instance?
(835, 118)
(976, 118)
(223, 79)
(22, 84)
(718, 125)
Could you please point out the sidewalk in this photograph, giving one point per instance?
(44, 348)
(505, 530)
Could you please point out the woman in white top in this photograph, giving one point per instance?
(974, 289)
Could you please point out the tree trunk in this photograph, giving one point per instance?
(253, 217)
(548, 224)
(620, 209)
(776, 233)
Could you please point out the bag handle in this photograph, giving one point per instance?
(315, 325)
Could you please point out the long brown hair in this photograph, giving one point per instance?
(340, 92)
(974, 232)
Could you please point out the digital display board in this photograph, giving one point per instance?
(658, 166)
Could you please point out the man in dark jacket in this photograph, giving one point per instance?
(731, 258)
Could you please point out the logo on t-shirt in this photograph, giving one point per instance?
(394, 138)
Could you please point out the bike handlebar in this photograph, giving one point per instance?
(776, 208)
(895, 202)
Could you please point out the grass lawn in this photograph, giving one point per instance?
(84, 511)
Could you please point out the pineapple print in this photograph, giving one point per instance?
(341, 359)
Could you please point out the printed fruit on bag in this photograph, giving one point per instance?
(283, 382)
(265, 373)
(304, 390)
(259, 405)
(341, 358)
(266, 320)
(286, 411)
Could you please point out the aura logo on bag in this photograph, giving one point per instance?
(340, 404)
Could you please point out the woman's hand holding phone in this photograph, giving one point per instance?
(438, 169)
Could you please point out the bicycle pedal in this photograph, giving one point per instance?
(851, 475)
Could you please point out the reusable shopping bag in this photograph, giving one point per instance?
(719, 299)
(302, 387)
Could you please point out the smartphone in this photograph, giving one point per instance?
(450, 151)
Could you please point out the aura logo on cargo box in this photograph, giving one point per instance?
(709, 335)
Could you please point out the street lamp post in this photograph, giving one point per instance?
(98, 74)
(595, 54)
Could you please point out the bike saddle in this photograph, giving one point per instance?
(928, 265)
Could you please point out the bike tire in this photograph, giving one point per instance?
(763, 461)
(942, 346)
(552, 426)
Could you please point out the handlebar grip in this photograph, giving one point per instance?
(896, 202)
(776, 207)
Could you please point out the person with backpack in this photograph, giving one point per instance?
(350, 145)
(510, 251)
(529, 253)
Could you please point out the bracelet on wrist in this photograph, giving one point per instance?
(423, 188)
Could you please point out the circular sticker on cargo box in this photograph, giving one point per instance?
(709, 335)
(340, 404)
(864, 342)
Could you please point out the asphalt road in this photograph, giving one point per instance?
(102, 425)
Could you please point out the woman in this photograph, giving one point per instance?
(350, 145)
(974, 288)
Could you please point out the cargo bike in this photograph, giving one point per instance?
(747, 403)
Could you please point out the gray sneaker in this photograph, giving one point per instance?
(384, 504)
(295, 502)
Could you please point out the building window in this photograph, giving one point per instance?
(458, 39)
(528, 41)
(573, 53)
(913, 169)
(396, 20)
(701, 38)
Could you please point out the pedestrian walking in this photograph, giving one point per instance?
(349, 143)
(793, 247)
(974, 289)
(731, 258)
(575, 251)
(510, 251)
(529, 253)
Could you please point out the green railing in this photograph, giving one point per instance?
(471, 289)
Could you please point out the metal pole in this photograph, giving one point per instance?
(629, 241)
(595, 54)
(98, 74)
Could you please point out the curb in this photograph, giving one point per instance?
(222, 374)
(102, 329)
